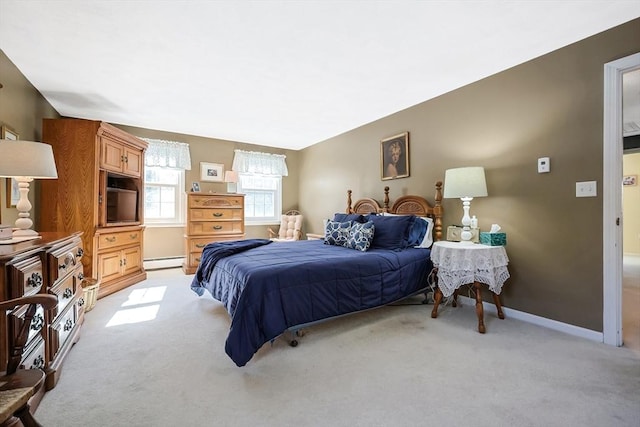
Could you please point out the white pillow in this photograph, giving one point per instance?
(428, 236)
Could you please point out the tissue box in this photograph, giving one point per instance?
(493, 239)
(6, 232)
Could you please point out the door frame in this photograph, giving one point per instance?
(612, 198)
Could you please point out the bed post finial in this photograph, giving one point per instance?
(349, 210)
(437, 212)
(385, 205)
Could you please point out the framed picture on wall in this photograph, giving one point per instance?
(630, 180)
(212, 172)
(11, 189)
(394, 156)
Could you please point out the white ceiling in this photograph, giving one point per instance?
(285, 74)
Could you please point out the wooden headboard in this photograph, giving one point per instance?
(405, 205)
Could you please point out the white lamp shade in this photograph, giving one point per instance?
(231, 176)
(26, 158)
(465, 182)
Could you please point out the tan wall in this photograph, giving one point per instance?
(551, 106)
(22, 109)
(162, 242)
(631, 206)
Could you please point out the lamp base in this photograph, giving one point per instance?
(21, 232)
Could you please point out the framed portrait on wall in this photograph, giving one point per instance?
(212, 172)
(394, 156)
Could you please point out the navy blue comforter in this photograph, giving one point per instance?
(269, 288)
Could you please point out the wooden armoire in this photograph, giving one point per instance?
(99, 191)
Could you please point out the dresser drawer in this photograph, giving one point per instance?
(16, 320)
(61, 329)
(215, 227)
(64, 260)
(196, 245)
(34, 356)
(65, 290)
(27, 277)
(214, 214)
(213, 201)
(122, 238)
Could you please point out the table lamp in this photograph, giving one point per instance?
(25, 161)
(465, 183)
(231, 178)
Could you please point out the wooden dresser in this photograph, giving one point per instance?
(211, 218)
(51, 264)
(95, 161)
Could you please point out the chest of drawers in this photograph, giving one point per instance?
(211, 218)
(51, 264)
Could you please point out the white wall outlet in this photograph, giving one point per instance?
(544, 165)
(586, 189)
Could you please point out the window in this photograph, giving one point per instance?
(164, 200)
(260, 179)
(263, 198)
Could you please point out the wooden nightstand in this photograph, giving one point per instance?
(461, 264)
(311, 236)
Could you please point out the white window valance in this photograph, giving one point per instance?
(260, 163)
(168, 154)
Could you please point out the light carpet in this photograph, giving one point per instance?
(393, 366)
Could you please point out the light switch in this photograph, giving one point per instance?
(544, 165)
(586, 189)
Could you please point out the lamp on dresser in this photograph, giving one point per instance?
(465, 184)
(231, 178)
(25, 161)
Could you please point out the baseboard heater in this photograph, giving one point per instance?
(160, 263)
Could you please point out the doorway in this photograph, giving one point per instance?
(612, 197)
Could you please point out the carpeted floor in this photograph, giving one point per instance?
(153, 355)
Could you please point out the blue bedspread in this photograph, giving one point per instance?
(270, 288)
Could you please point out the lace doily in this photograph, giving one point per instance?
(460, 265)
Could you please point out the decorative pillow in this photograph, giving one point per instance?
(343, 217)
(337, 233)
(427, 241)
(392, 232)
(361, 236)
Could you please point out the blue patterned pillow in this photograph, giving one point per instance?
(337, 233)
(361, 236)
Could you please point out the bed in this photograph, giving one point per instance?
(271, 288)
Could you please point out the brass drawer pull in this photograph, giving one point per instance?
(200, 245)
(110, 239)
(217, 214)
(217, 227)
(133, 236)
(197, 259)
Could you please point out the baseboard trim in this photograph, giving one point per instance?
(537, 320)
(160, 263)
